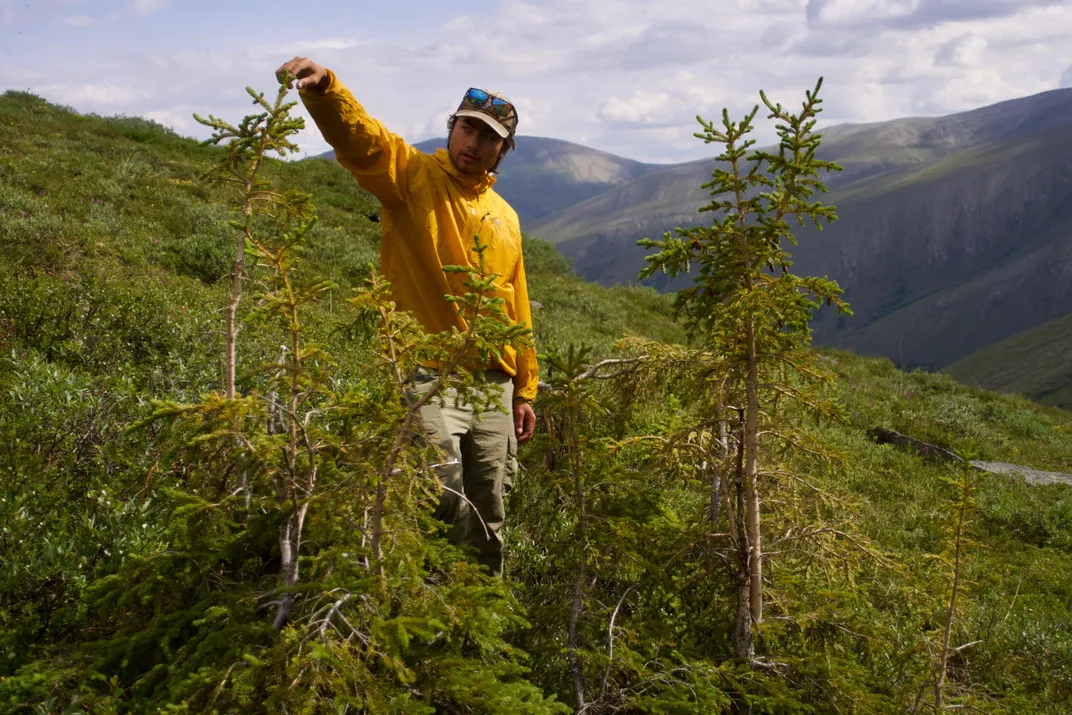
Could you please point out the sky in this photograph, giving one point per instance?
(624, 76)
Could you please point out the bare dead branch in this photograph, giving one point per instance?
(610, 641)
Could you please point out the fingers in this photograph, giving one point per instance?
(288, 69)
(529, 428)
(298, 68)
(524, 423)
(309, 80)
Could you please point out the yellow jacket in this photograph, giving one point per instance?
(430, 213)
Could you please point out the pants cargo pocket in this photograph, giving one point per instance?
(510, 467)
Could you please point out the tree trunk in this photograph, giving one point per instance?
(231, 337)
(376, 539)
(289, 548)
(722, 448)
(943, 668)
(742, 632)
(237, 274)
(298, 494)
(232, 330)
(723, 437)
(716, 493)
(578, 595)
(751, 449)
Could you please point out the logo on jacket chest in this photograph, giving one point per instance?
(483, 223)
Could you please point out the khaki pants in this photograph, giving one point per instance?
(478, 459)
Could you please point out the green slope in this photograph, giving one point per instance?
(1036, 363)
(111, 259)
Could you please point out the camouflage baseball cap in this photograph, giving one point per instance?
(493, 109)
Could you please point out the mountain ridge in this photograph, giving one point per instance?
(543, 175)
(903, 141)
(939, 219)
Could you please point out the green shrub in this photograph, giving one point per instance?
(200, 241)
(70, 497)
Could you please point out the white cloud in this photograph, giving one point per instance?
(94, 96)
(329, 44)
(626, 76)
(1066, 78)
(963, 51)
(643, 108)
(436, 126)
(179, 119)
(147, 7)
(304, 49)
(839, 11)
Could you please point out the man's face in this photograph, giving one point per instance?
(474, 147)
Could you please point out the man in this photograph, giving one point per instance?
(432, 207)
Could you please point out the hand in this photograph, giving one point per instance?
(309, 74)
(524, 421)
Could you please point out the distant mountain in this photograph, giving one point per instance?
(946, 258)
(1036, 363)
(955, 232)
(863, 150)
(542, 176)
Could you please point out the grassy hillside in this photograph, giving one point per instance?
(112, 256)
(1036, 363)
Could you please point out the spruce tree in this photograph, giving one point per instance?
(247, 145)
(745, 306)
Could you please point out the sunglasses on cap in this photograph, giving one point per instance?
(479, 99)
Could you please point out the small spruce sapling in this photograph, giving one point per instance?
(571, 396)
(486, 333)
(247, 146)
(957, 528)
(604, 517)
(744, 303)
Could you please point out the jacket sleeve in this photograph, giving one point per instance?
(527, 378)
(376, 157)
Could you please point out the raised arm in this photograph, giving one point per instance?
(376, 157)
